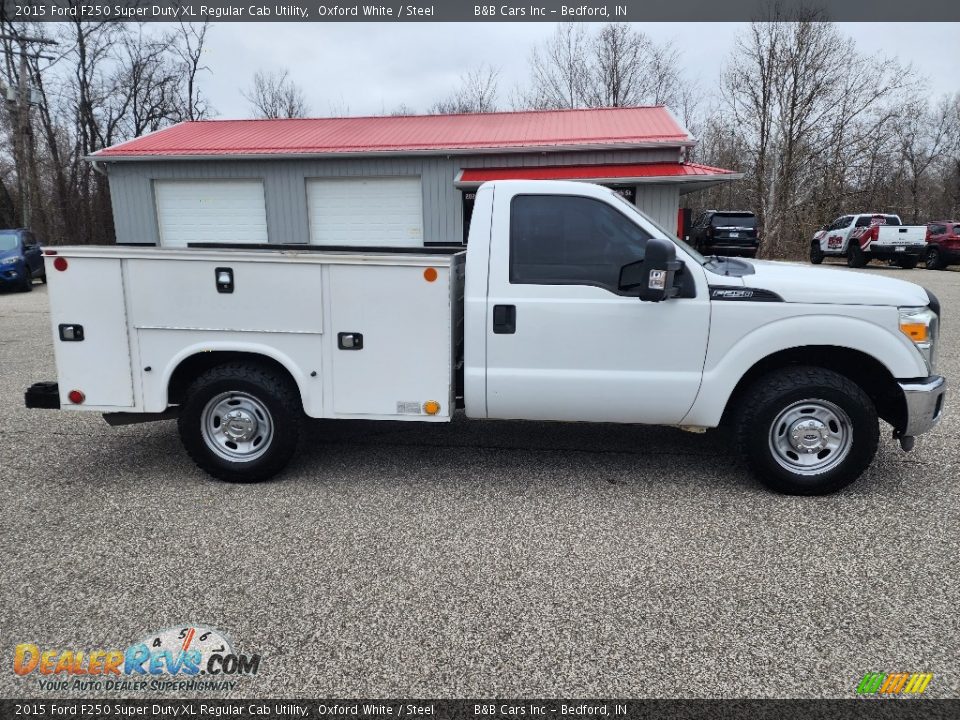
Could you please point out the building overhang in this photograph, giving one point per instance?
(689, 177)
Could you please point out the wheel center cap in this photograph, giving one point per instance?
(239, 425)
(808, 436)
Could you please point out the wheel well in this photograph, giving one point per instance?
(192, 367)
(864, 370)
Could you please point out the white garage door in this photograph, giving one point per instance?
(228, 211)
(366, 211)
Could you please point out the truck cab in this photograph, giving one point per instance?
(569, 304)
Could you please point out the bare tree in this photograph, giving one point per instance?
(618, 66)
(276, 95)
(812, 116)
(477, 93)
(923, 136)
(189, 49)
(559, 69)
(105, 82)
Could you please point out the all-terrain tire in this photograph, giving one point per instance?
(262, 400)
(761, 424)
(816, 253)
(856, 258)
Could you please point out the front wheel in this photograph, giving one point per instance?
(806, 430)
(241, 422)
(816, 253)
(26, 285)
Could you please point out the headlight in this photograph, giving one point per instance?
(11, 260)
(921, 325)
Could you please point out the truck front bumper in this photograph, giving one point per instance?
(924, 401)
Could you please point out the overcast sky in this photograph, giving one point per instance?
(370, 68)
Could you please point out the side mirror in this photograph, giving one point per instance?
(652, 279)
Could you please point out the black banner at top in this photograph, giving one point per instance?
(477, 10)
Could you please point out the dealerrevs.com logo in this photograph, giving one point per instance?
(181, 658)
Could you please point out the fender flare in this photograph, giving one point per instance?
(247, 348)
(895, 354)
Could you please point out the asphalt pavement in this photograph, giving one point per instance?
(479, 559)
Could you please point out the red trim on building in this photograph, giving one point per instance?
(625, 173)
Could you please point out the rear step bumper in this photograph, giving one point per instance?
(45, 395)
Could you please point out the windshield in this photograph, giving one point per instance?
(744, 220)
(9, 241)
(666, 233)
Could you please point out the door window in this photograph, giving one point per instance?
(569, 240)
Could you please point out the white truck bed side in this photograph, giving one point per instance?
(144, 310)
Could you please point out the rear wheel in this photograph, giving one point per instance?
(806, 430)
(933, 260)
(241, 422)
(816, 253)
(856, 258)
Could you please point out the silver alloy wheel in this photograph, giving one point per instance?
(236, 426)
(811, 437)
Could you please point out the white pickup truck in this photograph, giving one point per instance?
(868, 236)
(568, 305)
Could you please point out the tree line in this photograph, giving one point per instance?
(817, 126)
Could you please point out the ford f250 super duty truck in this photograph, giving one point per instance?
(569, 304)
(865, 237)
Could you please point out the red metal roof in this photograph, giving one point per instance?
(693, 171)
(603, 127)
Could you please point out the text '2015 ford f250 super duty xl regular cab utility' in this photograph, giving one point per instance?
(569, 304)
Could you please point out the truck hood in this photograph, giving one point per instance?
(798, 283)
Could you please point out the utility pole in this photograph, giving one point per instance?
(23, 144)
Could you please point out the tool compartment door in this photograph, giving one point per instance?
(89, 293)
(404, 361)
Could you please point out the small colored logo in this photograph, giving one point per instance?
(890, 684)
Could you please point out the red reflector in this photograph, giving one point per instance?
(49, 252)
(60, 264)
(76, 397)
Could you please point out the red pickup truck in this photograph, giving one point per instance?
(943, 244)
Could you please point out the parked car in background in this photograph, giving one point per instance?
(943, 244)
(869, 236)
(726, 232)
(21, 260)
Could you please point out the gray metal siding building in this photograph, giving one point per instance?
(289, 181)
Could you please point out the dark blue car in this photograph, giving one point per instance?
(21, 260)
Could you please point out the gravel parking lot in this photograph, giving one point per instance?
(480, 559)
